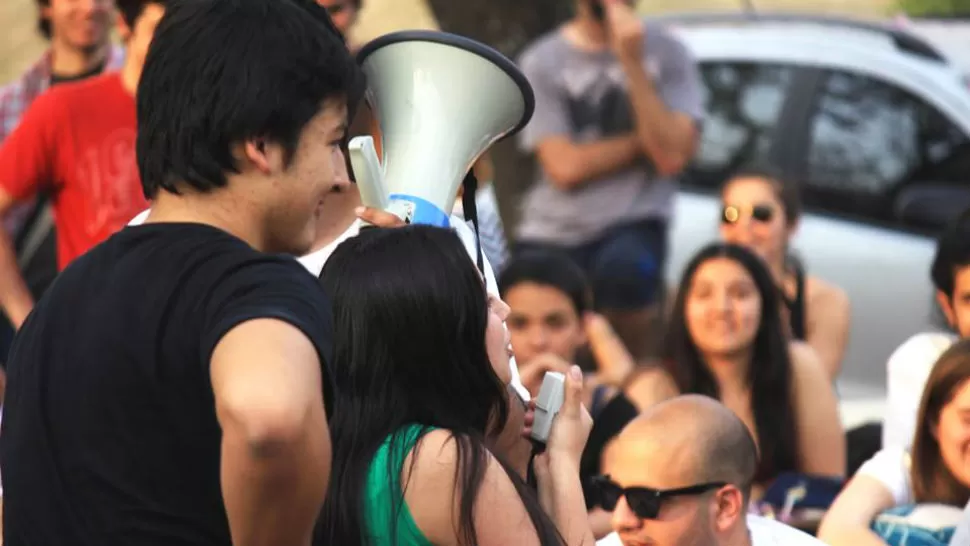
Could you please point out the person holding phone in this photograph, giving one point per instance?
(618, 104)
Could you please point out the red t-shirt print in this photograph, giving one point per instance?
(78, 139)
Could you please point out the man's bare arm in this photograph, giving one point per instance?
(15, 297)
(569, 165)
(667, 138)
(275, 442)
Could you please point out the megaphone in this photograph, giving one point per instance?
(441, 100)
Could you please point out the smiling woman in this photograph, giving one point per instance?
(934, 471)
(727, 341)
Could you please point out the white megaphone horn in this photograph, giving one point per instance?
(441, 100)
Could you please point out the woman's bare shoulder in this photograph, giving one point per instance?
(821, 291)
(650, 385)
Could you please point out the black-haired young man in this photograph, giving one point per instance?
(170, 387)
(910, 364)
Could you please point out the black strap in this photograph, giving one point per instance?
(530, 475)
(796, 305)
(470, 185)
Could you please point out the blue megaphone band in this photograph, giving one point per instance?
(423, 211)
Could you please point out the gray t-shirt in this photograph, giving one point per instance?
(581, 95)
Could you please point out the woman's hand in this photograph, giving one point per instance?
(557, 469)
(613, 362)
(534, 371)
(379, 218)
(570, 427)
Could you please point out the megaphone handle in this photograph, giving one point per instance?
(367, 172)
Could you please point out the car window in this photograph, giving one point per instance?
(870, 140)
(743, 102)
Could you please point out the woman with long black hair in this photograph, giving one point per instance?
(421, 374)
(726, 340)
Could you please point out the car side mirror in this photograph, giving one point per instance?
(931, 205)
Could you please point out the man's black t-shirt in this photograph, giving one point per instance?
(109, 431)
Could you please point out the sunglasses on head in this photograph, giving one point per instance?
(644, 501)
(731, 214)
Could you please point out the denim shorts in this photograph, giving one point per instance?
(625, 265)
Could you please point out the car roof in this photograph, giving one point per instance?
(883, 54)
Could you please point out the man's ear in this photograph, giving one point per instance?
(728, 508)
(257, 152)
(946, 305)
(124, 31)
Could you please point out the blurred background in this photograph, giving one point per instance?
(873, 123)
(20, 44)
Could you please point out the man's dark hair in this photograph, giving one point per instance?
(43, 23)
(952, 253)
(550, 268)
(222, 71)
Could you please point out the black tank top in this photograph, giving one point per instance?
(796, 304)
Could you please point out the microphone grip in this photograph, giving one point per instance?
(368, 172)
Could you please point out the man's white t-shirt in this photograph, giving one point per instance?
(961, 536)
(764, 532)
(890, 467)
(314, 262)
(907, 370)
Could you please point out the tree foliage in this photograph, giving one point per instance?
(936, 8)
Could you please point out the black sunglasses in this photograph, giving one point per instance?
(731, 214)
(645, 502)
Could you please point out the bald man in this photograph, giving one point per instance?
(680, 475)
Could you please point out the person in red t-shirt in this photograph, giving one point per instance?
(78, 141)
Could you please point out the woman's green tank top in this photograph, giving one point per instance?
(383, 494)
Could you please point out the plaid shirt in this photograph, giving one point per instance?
(16, 98)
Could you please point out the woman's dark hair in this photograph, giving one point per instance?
(786, 191)
(411, 311)
(770, 373)
(932, 480)
(548, 268)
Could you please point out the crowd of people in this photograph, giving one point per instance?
(225, 347)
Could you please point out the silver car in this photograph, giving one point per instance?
(873, 123)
